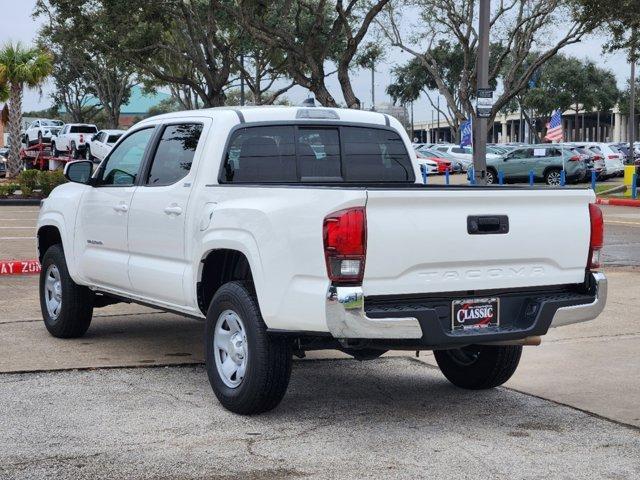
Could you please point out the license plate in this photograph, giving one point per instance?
(474, 313)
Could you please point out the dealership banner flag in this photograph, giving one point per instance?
(466, 134)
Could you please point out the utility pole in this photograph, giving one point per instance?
(242, 80)
(438, 129)
(480, 124)
(373, 83)
(412, 127)
(632, 97)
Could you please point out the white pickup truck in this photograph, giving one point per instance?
(293, 229)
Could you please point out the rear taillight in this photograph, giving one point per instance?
(345, 245)
(597, 157)
(612, 157)
(596, 241)
(575, 158)
(81, 138)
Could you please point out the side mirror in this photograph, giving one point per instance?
(79, 172)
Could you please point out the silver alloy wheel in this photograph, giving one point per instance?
(553, 178)
(230, 348)
(53, 291)
(490, 178)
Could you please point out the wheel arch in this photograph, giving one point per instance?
(48, 235)
(220, 266)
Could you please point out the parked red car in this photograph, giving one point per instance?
(443, 164)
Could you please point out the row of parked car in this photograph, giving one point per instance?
(515, 162)
(80, 140)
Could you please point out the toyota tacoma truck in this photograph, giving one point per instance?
(293, 229)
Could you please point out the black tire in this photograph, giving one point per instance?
(268, 366)
(39, 137)
(492, 177)
(478, 367)
(54, 150)
(74, 151)
(76, 308)
(87, 154)
(552, 176)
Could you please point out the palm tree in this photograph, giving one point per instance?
(20, 67)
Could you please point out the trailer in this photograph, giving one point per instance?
(41, 157)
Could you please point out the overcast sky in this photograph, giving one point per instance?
(18, 25)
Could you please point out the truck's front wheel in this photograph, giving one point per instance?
(477, 367)
(248, 369)
(66, 307)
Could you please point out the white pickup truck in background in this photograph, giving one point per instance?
(293, 229)
(73, 139)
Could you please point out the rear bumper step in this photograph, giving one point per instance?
(425, 322)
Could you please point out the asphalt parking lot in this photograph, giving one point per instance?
(131, 399)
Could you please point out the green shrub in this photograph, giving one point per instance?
(7, 189)
(48, 180)
(28, 180)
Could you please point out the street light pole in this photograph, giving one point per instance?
(632, 99)
(242, 81)
(480, 137)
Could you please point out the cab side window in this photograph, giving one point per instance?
(124, 162)
(174, 154)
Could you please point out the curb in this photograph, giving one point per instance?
(620, 202)
(17, 202)
(19, 267)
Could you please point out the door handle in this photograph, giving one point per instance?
(173, 209)
(121, 207)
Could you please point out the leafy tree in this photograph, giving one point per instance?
(569, 83)
(310, 36)
(80, 32)
(191, 45)
(625, 98)
(516, 27)
(620, 17)
(372, 54)
(20, 67)
(73, 93)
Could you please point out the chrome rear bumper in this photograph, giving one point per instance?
(586, 312)
(346, 316)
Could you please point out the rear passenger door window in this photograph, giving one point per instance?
(174, 154)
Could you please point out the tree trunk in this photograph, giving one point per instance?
(347, 90)
(322, 95)
(575, 125)
(15, 120)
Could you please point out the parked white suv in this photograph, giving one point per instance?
(73, 139)
(101, 144)
(613, 158)
(463, 154)
(41, 131)
(291, 229)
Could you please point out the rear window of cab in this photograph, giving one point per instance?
(316, 153)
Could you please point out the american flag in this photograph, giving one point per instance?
(554, 128)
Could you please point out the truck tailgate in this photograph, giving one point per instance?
(418, 239)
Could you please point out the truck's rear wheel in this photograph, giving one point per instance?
(248, 369)
(66, 307)
(477, 367)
